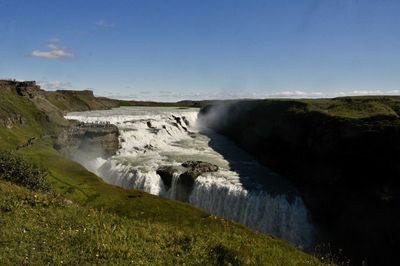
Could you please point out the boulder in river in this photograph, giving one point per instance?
(196, 168)
(184, 183)
(199, 166)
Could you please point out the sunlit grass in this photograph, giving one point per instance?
(49, 229)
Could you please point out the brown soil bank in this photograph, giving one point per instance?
(343, 154)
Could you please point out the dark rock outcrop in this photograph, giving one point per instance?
(22, 88)
(196, 168)
(12, 120)
(345, 164)
(184, 183)
(30, 89)
(201, 167)
(179, 122)
(89, 139)
(29, 143)
(185, 121)
(186, 179)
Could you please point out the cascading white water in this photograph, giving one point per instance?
(256, 209)
(242, 190)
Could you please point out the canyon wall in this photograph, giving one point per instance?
(343, 155)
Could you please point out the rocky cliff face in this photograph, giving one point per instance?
(87, 141)
(51, 104)
(10, 120)
(9, 115)
(23, 88)
(346, 165)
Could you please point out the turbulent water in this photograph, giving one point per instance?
(241, 190)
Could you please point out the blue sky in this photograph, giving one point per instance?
(188, 49)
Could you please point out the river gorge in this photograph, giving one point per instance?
(239, 188)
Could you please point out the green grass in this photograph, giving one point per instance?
(356, 107)
(84, 221)
(47, 229)
(348, 107)
(35, 122)
(11, 104)
(79, 101)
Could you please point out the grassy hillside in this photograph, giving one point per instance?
(32, 122)
(79, 101)
(84, 221)
(39, 229)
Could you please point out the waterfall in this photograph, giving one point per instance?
(172, 193)
(256, 209)
(241, 190)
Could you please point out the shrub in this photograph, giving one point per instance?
(220, 256)
(16, 169)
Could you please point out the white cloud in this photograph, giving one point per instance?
(55, 47)
(54, 40)
(55, 52)
(104, 24)
(295, 94)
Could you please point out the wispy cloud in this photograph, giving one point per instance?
(55, 47)
(296, 94)
(55, 52)
(55, 40)
(52, 54)
(104, 24)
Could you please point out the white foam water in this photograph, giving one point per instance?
(242, 190)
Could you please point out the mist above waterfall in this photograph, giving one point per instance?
(87, 152)
(217, 115)
(241, 190)
(213, 116)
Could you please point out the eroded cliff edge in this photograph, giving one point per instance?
(87, 141)
(343, 154)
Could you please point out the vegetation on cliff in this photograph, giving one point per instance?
(16, 169)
